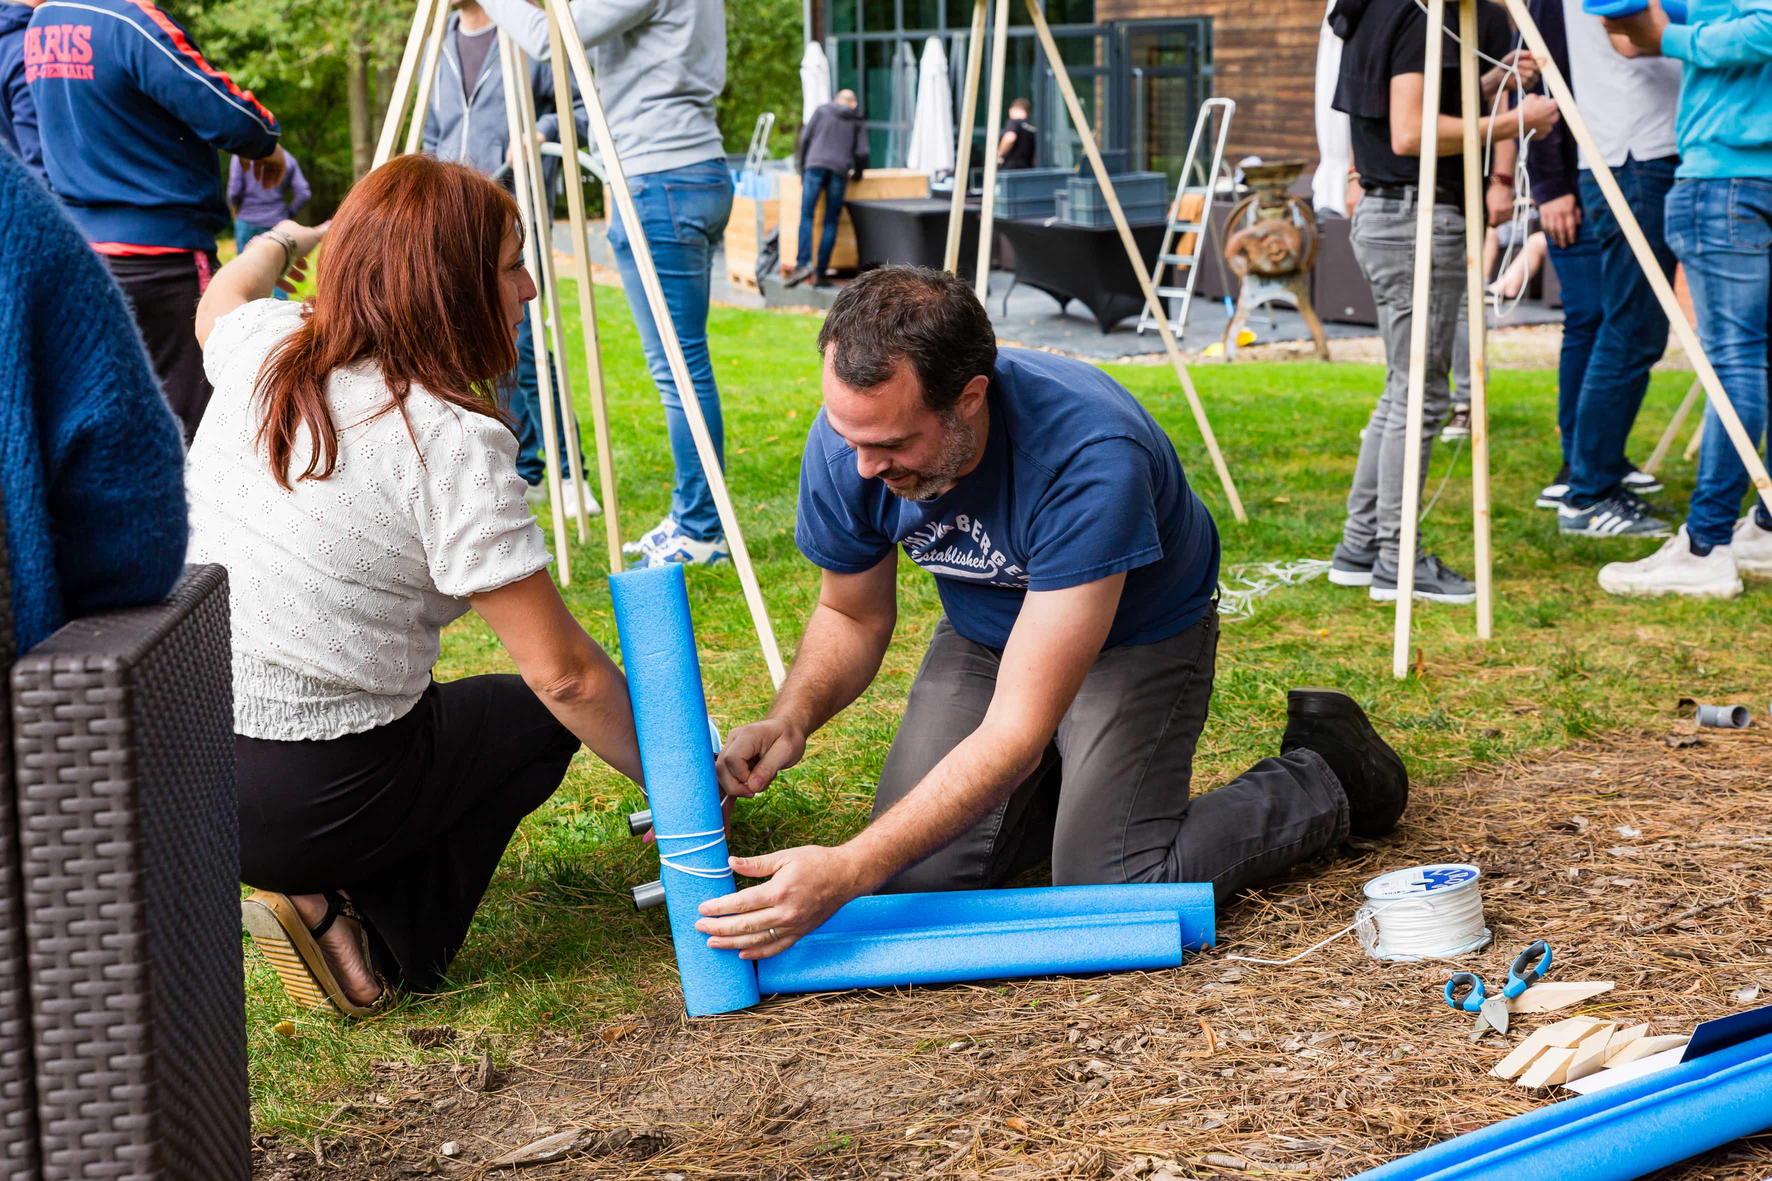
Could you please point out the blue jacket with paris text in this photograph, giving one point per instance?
(131, 115)
(18, 116)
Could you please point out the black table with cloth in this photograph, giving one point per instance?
(1084, 263)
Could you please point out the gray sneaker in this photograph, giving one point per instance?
(1352, 567)
(1435, 582)
(1623, 514)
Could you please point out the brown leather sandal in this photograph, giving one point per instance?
(293, 949)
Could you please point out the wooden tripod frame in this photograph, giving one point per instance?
(570, 63)
(957, 210)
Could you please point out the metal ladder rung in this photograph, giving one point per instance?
(1186, 227)
(1174, 292)
(1179, 260)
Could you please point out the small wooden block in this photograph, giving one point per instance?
(1548, 1069)
(1547, 998)
(1590, 1053)
(1623, 1038)
(1523, 1055)
(1644, 1046)
(1570, 1031)
(1558, 1036)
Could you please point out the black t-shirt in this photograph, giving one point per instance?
(1021, 152)
(1387, 38)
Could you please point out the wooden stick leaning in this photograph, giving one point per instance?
(415, 40)
(1745, 447)
(1158, 312)
(427, 79)
(950, 258)
(557, 400)
(617, 183)
(1474, 227)
(587, 295)
(1696, 441)
(508, 59)
(1424, 268)
(1673, 428)
(993, 125)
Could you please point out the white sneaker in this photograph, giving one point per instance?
(569, 500)
(1675, 570)
(1753, 547)
(653, 538)
(536, 495)
(686, 550)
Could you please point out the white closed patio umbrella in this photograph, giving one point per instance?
(815, 81)
(932, 128)
(904, 103)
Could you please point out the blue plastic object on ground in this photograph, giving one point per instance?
(671, 720)
(897, 939)
(1613, 1135)
(1675, 9)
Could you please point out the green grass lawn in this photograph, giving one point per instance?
(557, 949)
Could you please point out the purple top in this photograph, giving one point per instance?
(266, 207)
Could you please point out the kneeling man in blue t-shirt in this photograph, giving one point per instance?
(1061, 698)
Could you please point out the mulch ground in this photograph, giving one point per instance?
(1644, 864)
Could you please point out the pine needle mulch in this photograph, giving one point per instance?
(1642, 863)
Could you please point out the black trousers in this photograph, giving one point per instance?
(409, 819)
(1110, 801)
(163, 291)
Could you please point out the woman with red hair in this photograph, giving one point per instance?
(355, 478)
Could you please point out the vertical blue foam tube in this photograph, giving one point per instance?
(671, 719)
(1616, 1134)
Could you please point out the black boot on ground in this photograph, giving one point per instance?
(1333, 725)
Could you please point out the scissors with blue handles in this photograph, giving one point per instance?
(1466, 991)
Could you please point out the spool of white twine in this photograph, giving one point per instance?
(1427, 912)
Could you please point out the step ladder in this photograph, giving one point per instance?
(1190, 215)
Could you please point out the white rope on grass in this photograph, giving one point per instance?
(1241, 585)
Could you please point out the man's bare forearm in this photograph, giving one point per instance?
(836, 661)
(966, 784)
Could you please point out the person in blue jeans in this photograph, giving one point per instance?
(1630, 107)
(1719, 225)
(660, 68)
(833, 145)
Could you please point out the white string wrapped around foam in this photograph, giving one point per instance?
(719, 835)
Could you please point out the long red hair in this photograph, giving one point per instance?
(409, 281)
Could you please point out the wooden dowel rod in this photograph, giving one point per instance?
(950, 257)
(1474, 226)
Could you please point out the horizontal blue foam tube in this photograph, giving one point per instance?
(671, 720)
(1616, 1134)
(1675, 9)
(827, 961)
(1191, 901)
(894, 939)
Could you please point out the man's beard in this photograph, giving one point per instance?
(958, 446)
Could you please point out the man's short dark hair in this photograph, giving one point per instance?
(925, 317)
(1020, 102)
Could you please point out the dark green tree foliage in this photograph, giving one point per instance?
(297, 57)
(763, 49)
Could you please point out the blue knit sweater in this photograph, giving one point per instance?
(91, 462)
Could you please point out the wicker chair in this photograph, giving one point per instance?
(119, 850)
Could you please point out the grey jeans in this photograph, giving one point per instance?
(1109, 802)
(1383, 237)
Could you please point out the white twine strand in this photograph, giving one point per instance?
(1424, 927)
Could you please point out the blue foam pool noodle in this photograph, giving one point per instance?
(1613, 1135)
(890, 940)
(1191, 901)
(1675, 9)
(671, 720)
